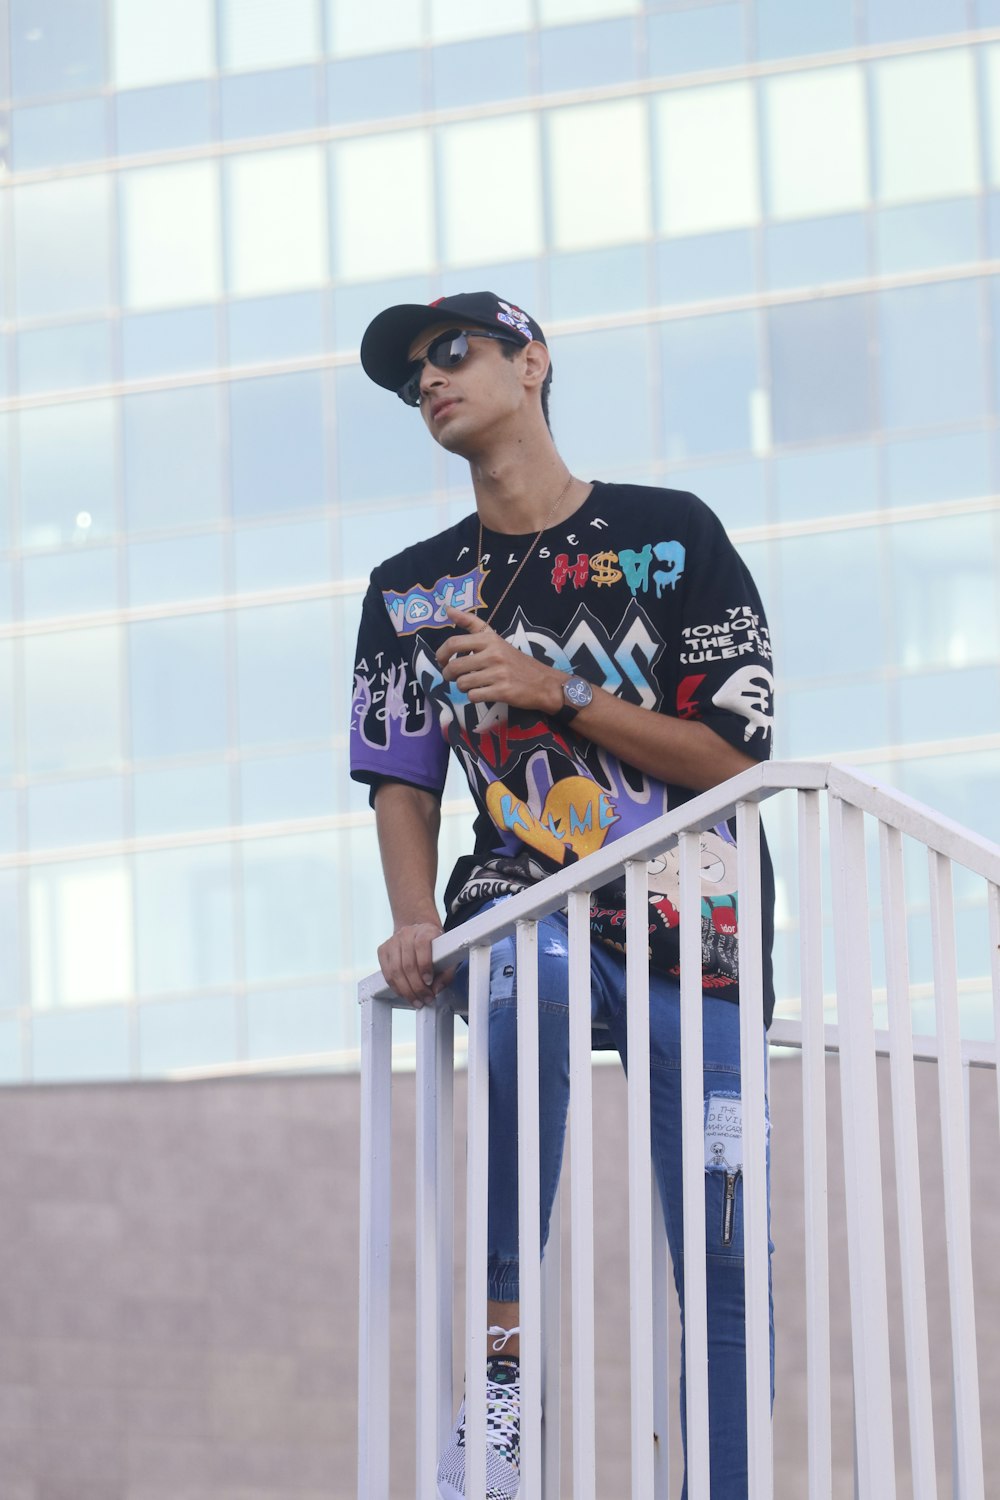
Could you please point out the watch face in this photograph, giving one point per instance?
(578, 692)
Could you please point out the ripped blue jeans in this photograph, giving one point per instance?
(723, 1222)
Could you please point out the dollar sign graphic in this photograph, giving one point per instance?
(602, 568)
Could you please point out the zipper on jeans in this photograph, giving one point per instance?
(729, 1207)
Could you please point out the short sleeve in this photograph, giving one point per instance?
(724, 672)
(394, 734)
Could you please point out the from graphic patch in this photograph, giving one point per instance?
(426, 607)
(724, 1132)
(514, 318)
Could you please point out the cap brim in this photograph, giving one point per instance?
(385, 347)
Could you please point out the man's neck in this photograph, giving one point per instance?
(517, 486)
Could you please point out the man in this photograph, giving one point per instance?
(594, 654)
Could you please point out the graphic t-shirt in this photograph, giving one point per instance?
(641, 592)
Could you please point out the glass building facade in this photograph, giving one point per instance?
(765, 240)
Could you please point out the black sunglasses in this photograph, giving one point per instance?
(444, 353)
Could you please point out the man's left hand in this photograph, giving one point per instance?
(490, 670)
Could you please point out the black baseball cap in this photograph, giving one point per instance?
(385, 347)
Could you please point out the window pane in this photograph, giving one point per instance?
(483, 223)
(945, 466)
(70, 583)
(452, 20)
(820, 369)
(67, 473)
(285, 673)
(368, 88)
(181, 798)
(944, 588)
(81, 1046)
(707, 152)
(554, 11)
(889, 20)
(401, 462)
(379, 185)
(56, 47)
(812, 571)
(159, 119)
(155, 43)
(967, 701)
(64, 356)
(52, 134)
(288, 1023)
(277, 444)
(478, 72)
(73, 700)
(948, 319)
(171, 251)
(182, 567)
(277, 788)
(291, 887)
(271, 103)
(173, 457)
(178, 686)
(600, 405)
(712, 389)
(927, 141)
(690, 41)
(80, 925)
(6, 707)
(270, 557)
(86, 810)
(599, 174)
(179, 1034)
(259, 34)
(584, 57)
(788, 29)
(277, 221)
(388, 26)
(817, 142)
(826, 481)
(991, 61)
(184, 919)
(62, 246)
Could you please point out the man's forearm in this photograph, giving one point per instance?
(408, 820)
(681, 751)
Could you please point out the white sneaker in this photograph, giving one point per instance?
(503, 1437)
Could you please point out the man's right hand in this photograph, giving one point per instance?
(406, 964)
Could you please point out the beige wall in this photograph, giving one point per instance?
(178, 1271)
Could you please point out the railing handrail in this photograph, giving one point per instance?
(757, 784)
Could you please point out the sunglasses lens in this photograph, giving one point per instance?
(449, 350)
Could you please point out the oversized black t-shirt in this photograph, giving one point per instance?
(641, 592)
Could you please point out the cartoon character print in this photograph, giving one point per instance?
(719, 929)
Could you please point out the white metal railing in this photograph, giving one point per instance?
(851, 801)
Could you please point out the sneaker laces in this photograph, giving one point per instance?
(503, 1416)
(505, 1334)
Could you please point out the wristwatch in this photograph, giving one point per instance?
(577, 693)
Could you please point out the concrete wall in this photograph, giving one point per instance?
(178, 1305)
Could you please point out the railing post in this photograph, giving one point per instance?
(969, 1478)
(435, 1221)
(581, 1125)
(693, 1172)
(862, 1157)
(640, 1177)
(376, 1224)
(814, 1133)
(529, 1211)
(477, 1210)
(760, 1465)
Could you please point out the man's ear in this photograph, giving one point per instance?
(536, 362)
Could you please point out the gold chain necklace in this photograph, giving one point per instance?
(527, 555)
